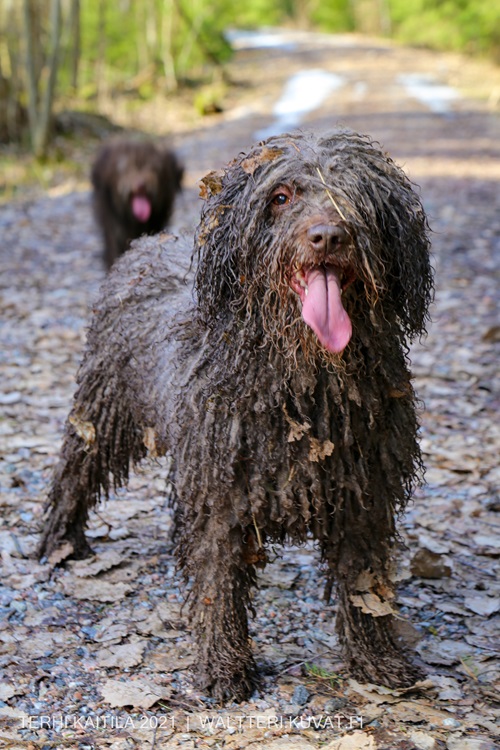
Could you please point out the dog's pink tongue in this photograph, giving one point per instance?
(141, 208)
(323, 311)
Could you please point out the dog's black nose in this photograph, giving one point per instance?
(325, 237)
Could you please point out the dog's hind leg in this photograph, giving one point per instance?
(121, 408)
(217, 558)
(100, 441)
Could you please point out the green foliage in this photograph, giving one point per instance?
(133, 34)
(208, 99)
(121, 40)
(119, 29)
(334, 15)
(258, 13)
(138, 47)
(471, 26)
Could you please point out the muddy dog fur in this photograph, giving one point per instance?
(135, 183)
(278, 380)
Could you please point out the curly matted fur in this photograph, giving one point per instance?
(281, 390)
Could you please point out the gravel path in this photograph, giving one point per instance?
(97, 654)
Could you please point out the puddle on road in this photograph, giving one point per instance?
(260, 39)
(304, 92)
(308, 89)
(437, 97)
(287, 39)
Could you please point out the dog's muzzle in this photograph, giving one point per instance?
(320, 285)
(324, 239)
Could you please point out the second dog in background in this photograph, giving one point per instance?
(135, 184)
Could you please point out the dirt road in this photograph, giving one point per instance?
(100, 648)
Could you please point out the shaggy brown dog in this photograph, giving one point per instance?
(135, 184)
(282, 391)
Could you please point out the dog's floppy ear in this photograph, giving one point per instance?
(230, 231)
(406, 246)
(217, 242)
(385, 213)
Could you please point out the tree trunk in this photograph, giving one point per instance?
(75, 42)
(31, 76)
(194, 27)
(166, 45)
(100, 67)
(40, 102)
(12, 112)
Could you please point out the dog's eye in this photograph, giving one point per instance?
(282, 196)
(281, 199)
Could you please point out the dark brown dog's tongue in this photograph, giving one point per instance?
(323, 311)
(141, 208)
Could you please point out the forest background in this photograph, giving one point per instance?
(64, 62)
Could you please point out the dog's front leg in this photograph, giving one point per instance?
(216, 558)
(365, 616)
(369, 643)
(115, 240)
